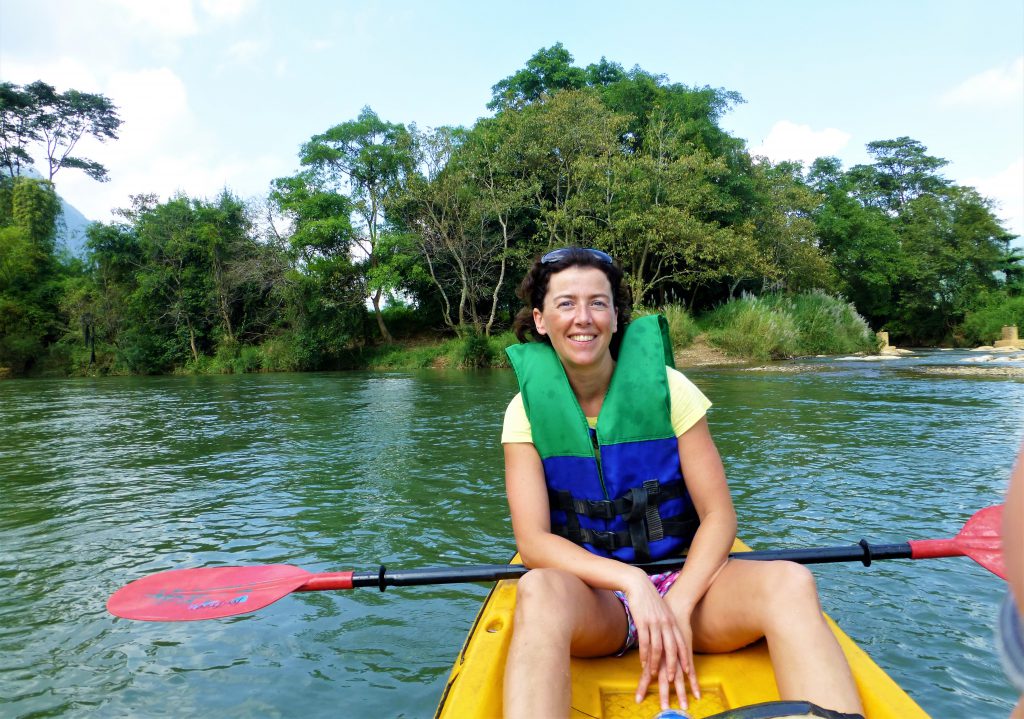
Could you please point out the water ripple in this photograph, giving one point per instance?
(107, 480)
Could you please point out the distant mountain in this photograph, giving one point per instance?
(71, 228)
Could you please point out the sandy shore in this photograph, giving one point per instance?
(701, 354)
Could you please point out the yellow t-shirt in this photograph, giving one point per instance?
(688, 405)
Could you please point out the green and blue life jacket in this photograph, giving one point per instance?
(618, 490)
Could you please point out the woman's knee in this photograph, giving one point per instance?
(790, 589)
(543, 592)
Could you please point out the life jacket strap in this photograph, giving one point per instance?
(611, 541)
(562, 500)
(639, 508)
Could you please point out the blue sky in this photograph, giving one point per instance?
(219, 93)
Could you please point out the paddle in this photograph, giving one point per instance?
(212, 592)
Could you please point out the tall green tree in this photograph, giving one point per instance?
(325, 290)
(902, 171)
(915, 252)
(860, 239)
(367, 159)
(56, 122)
(29, 271)
(548, 71)
(18, 110)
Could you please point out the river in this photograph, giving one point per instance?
(106, 480)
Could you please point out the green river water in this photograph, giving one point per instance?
(106, 480)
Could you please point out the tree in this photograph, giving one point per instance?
(902, 171)
(325, 290)
(17, 127)
(549, 70)
(368, 158)
(64, 118)
(461, 210)
(914, 252)
(38, 113)
(29, 272)
(785, 232)
(859, 238)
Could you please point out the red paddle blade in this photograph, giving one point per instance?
(208, 593)
(980, 539)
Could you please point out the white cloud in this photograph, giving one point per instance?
(1007, 189)
(151, 101)
(245, 51)
(995, 87)
(162, 17)
(789, 141)
(225, 9)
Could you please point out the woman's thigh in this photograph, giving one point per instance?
(742, 600)
(593, 620)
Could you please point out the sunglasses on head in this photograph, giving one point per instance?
(567, 252)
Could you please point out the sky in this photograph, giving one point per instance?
(221, 94)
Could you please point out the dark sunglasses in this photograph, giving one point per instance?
(567, 252)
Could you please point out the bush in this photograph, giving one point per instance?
(754, 328)
(280, 354)
(827, 324)
(985, 325)
(404, 321)
(779, 326)
(249, 359)
(682, 328)
(499, 343)
(472, 350)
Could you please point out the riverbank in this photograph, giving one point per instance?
(746, 329)
(702, 354)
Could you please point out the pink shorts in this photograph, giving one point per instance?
(662, 582)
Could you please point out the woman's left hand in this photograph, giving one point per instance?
(664, 643)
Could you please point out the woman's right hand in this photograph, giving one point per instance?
(665, 650)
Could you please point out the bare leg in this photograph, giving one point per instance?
(557, 615)
(779, 601)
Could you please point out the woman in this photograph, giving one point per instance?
(580, 514)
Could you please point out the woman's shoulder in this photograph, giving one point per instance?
(679, 381)
(516, 427)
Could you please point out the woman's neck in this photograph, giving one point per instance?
(590, 385)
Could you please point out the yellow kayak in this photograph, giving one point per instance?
(604, 687)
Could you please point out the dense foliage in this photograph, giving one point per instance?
(392, 231)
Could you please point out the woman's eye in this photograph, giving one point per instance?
(599, 303)
(565, 304)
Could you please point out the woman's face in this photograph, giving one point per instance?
(578, 316)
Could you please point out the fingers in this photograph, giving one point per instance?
(666, 654)
(680, 687)
(663, 689)
(694, 685)
(645, 664)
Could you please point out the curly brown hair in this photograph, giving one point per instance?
(534, 288)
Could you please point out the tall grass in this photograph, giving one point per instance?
(828, 325)
(752, 327)
(682, 328)
(780, 326)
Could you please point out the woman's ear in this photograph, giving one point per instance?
(538, 321)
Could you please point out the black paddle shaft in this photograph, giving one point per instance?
(862, 552)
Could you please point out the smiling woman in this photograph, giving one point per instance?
(609, 460)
